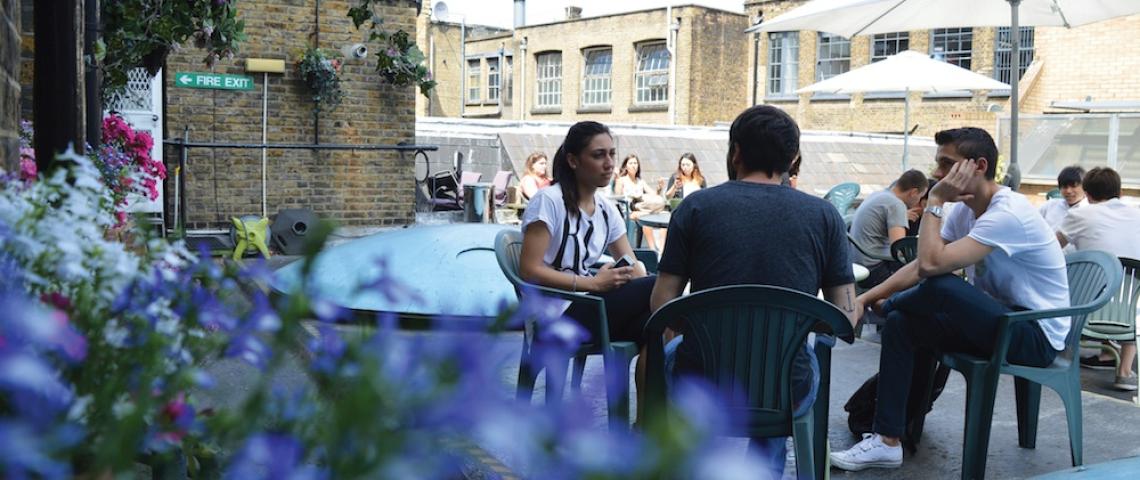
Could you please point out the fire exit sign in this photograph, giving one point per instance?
(215, 81)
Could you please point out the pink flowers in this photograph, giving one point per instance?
(124, 158)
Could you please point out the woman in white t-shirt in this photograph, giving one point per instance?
(568, 225)
(643, 199)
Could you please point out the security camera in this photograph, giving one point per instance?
(356, 50)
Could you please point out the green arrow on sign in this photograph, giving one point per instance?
(215, 81)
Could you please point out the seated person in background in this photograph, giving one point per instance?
(642, 198)
(535, 177)
(1072, 196)
(1015, 262)
(791, 178)
(1108, 225)
(915, 213)
(737, 233)
(567, 226)
(686, 180)
(880, 220)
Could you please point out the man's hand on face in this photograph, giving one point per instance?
(952, 187)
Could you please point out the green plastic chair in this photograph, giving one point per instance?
(905, 250)
(647, 256)
(1054, 193)
(1093, 278)
(747, 336)
(616, 355)
(1117, 320)
(842, 196)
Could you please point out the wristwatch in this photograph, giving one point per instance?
(935, 210)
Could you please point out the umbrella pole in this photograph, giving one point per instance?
(906, 127)
(1015, 70)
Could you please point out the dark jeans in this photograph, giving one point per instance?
(627, 310)
(943, 314)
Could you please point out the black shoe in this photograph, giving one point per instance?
(1094, 362)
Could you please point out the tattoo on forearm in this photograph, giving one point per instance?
(849, 307)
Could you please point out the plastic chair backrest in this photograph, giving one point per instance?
(905, 249)
(508, 249)
(1094, 277)
(1054, 193)
(649, 257)
(467, 178)
(1122, 308)
(747, 337)
(500, 182)
(842, 196)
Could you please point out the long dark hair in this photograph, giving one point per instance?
(626, 162)
(696, 176)
(577, 139)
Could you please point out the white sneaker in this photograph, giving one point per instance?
(871, 452)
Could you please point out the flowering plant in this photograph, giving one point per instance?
(321, 73)
(28, 169)
(142, 32)
(399, 60)
(124, 159)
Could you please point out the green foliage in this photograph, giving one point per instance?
(320, 71)
(140, 33)
(399, 60)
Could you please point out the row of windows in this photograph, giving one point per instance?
(833, 56)
(651, 77)
(494, 79)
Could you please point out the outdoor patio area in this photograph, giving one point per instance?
(1111, 425)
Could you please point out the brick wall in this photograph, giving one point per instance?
(9, 84)
(354, 188)
(712, 73)
(1098, 60)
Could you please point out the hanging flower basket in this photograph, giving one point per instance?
(320, 72)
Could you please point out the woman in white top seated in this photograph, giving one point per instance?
(568, 225)
(642, 198)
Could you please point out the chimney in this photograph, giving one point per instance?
(520, 13)
(573, 13)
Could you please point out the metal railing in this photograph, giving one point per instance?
(184, 146)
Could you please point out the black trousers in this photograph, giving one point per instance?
(627, 310)
(943, 314)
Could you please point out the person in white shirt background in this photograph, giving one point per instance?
(1106, 224)
(1072, 196)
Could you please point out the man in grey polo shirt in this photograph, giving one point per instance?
(882, 219)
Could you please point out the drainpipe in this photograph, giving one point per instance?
(755, 67)
(431, 59)
(522, 79)
(463, 67)
(672, 27)
(502, 76)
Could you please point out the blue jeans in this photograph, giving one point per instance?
(943, 314)
(772, 450)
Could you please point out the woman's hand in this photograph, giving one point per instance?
(610, 278)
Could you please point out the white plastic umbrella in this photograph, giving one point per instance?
(864, 17)
(906, 72)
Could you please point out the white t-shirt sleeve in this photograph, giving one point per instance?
(1074, 226)
(952, 223)
(543, 208)
(617, 223)
(1002, 230)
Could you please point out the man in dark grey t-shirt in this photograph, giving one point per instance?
(881, 219)
(752, 230)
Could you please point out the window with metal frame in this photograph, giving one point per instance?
(884, 45)
(549, 80)
(651, 81)
(596, 77)
(783, 63)
(1003, 53)
(474, 80)
(493, 79)
(953, 45)
(834, 56)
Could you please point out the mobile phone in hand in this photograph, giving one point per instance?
(624, 261)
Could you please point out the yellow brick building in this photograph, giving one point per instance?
(680, 65)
